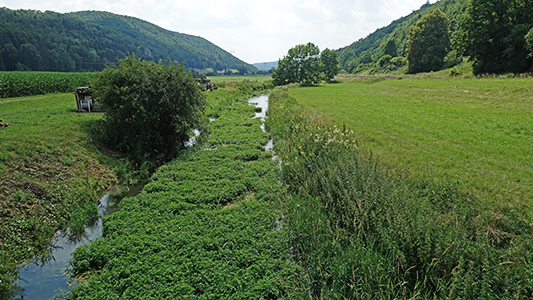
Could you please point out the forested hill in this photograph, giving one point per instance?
(372, 47)
(90, 40)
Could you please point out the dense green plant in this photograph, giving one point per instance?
(150, 108)
(301, 65)
(428, 43)
(529, 41)
(391, 48)
(330, 60)
(21, 84)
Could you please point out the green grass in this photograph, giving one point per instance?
(477, 131)
(50, 175)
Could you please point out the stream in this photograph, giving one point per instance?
(46, 278)
(262, 101)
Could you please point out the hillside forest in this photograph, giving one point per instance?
(496, 35)
(88, 41)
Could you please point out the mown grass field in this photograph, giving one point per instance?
(477, 131)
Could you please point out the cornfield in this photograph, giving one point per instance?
(20, 84)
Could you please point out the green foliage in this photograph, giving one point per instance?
(150, 108)
(305, 64)
(21, 84)
(384, 60)
(496, 31)
(206, 226)
(391, 48)
(452, 59)
(91, 40)
(429, 41)
(455, 72)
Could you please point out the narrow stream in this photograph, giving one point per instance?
(46, 279)
(262, 101)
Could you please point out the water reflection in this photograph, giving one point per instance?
(46, 278)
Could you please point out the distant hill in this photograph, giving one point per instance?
(266, 66)
(373, 46)
(90, 40)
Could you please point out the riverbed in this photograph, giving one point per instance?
(47, 278)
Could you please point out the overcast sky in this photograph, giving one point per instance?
(252, 30)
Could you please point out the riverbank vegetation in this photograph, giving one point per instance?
(407, 189)
(207, 224)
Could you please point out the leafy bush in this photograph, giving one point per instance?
(452, 59)
(384, 60)
(150, 108)
(455, 72)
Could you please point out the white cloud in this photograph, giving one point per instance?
(256, 30)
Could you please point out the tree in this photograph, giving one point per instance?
(10, 56)
(346, 56)
(429, 42)
(495, 31)
(365, 57)
(29, 55)
(391, 48)
(150, 108)
(302, 64)
(330, 60)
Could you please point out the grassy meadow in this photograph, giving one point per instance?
(478, 131)
(412, 189)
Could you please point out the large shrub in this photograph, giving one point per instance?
(150, 108)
